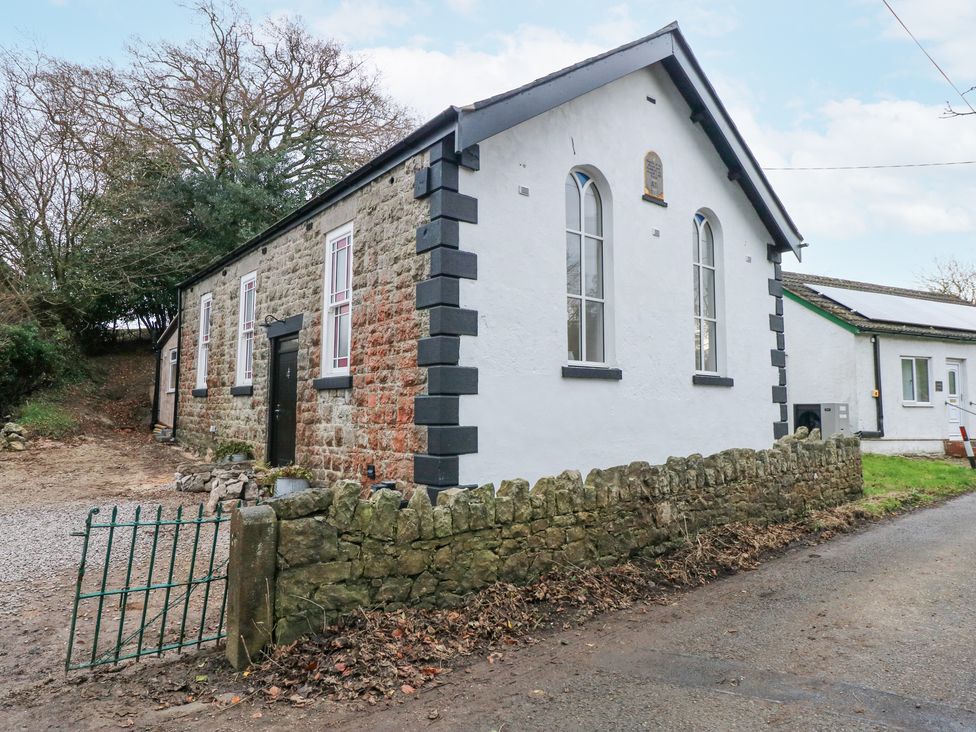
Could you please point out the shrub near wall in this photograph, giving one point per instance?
(337, 552)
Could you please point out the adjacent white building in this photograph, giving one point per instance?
(893, 365)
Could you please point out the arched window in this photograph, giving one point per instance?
(585, 298)
(706, 298)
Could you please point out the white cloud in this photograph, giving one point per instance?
(871, 204)
(361, 20)
(464, 7)
(430, 80)
(945, 28)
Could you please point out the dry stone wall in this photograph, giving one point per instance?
(337, 552)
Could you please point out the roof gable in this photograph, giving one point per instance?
(479, 121)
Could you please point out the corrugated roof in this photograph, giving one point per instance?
(813, 288)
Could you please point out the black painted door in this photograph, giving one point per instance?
(284, 397)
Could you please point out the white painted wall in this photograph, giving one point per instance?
(531, 421)
(917, 428)
(821, 366)
(829, 364)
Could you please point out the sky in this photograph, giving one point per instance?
(809, 84)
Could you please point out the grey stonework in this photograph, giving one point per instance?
(339, 431)
(338, 551)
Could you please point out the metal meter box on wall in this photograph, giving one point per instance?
(831, 418)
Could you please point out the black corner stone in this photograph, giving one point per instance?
(779, 394)
(780, 429)
(784, 413)
(436, 410)
(438, 291)
(781, 341)
(453, 263)
(777, 358)
(775, 288)
(451, 380)
(439, 233)
(776, 323)
(446, 320)
(421, 183)
(435, 470)
(443, 149)
(438, 350)
(453, 205)
(782, 377)
(773, 255)
(471, 158)
(452, 440)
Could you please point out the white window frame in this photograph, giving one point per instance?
(203, 340)
(245, 332)
(582, 297)
(914, 401)
(330, 304)
(171, 372)
(700, 319)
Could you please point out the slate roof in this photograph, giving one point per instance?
(797, 284)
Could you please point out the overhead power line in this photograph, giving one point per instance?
(929, 56)
(877, 167)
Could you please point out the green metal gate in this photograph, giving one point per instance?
(147, 586)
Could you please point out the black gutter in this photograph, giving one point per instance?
(878, 402)
(416, 139)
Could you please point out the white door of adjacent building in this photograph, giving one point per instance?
(954, 397)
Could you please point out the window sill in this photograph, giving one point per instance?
(199, 392)
(244, 390)
(171, 391)
(333, 382)
(592, 372)
(918, 405)
(711, 380)
(655, 201)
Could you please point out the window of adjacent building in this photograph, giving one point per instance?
(586, 301)
(171, 385)
(915, 380)
(337, 326)
(203, 341)
(706, 275)
(245, 335)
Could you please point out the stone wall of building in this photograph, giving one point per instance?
(337, 552)
(340, 431)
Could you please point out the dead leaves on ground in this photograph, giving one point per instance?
(375, 655)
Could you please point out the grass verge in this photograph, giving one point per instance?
(47, 419)
(894, 484)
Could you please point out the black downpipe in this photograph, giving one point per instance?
(878, 401)
(179, 357)
(154, 416)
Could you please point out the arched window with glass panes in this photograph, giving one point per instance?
(586, 301)
(706, 299)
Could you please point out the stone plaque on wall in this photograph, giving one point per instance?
(653, 176)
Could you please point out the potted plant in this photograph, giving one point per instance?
(234, 451)
(289, 479)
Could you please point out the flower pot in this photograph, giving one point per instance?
(286, 486)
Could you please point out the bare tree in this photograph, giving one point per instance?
(952, 277)
(246, 91)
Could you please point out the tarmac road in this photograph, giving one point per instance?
(871, 631)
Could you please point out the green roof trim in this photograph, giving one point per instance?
(820, 311)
